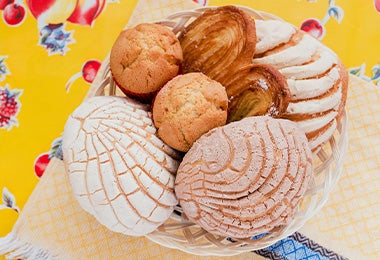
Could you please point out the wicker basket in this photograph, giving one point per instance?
(178, 232)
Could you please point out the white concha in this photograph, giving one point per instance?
(119, 170)
(272, 32)
(291, 56)
(316, 78)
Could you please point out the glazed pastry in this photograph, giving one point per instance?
(256, 90)
(218, 41)
(316, 78)
(187, 107)
(245, 178)
(144, 58)
(225, 54)
(120, 171)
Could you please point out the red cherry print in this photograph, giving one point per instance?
(313, 27)
(40, 164)
(377, 5)
(38, 7)
(201, 2)
(84, 12)
(4, 3)
(13, 14)
(89, 70)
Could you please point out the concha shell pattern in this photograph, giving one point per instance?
(119, 170)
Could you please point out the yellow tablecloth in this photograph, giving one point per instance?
(35, 71)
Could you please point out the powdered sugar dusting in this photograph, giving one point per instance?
(272, 110)
(263, 84)
(119, 170)
(263, 166)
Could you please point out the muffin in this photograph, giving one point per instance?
(187, 107)
(245, 178)
(144, 58)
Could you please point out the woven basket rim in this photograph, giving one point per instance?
(331, 157)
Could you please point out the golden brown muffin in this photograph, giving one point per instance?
(144, 58)
(245, 178)
(187, 107)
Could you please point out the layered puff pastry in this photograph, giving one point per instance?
(316, 78)
(218, 41)
(314, 91)
(245, 178)
(254, 90)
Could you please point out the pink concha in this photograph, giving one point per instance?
(245, 178)
(119, 170)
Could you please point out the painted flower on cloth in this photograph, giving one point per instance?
(8, 201)
(54, 38)
(316, 27)
(361, 70)
(3, 68)
(52, 16)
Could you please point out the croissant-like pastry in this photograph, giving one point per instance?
(256, 90)
(218, 41)
(245, 178)
(120, 171)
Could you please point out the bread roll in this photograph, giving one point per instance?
(187, 107)
(245, 178)
(143, 58)
(119, 170)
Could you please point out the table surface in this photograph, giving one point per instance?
(45, 72)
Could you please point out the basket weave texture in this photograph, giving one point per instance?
(180, 233)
